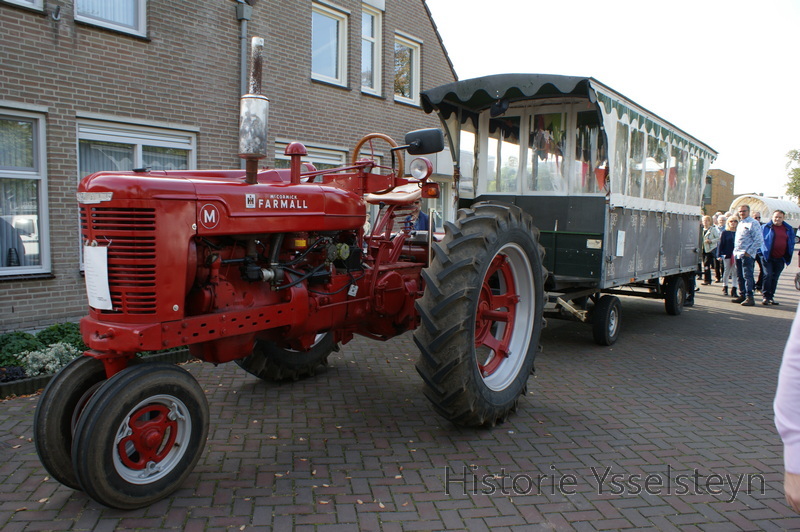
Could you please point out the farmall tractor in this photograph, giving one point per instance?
(273, 269)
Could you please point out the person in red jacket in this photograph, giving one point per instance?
(777, 252)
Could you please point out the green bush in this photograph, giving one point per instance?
(13, 344)
(49, 359)
(68, 333)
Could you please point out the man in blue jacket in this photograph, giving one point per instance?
(777, 252)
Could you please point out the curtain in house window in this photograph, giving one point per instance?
(165, 158)
(16, 144)
(97, 156)
(122, 12)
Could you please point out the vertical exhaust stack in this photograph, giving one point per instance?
(253, 115)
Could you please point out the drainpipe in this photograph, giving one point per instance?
(243, 13)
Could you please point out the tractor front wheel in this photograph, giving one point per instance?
(57, 414)
(140, 435)
(481, 314)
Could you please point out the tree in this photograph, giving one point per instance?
(793, 165)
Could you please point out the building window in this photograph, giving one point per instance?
(129, 16)
(23, 195)
(406, 70)
(33, 4)
(371, 30)
(328, 44)
(122, 147)
(321, 158)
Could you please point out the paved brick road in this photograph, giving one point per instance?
(669, 429)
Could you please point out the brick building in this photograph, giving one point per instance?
(718, 193)
(92, 85)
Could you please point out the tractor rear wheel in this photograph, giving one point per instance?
(272, 362)
(481, 314)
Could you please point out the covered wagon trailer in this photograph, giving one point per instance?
(614, 189)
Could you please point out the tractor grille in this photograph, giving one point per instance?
(130, 235)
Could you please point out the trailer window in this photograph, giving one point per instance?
(466, 162)
(590, 152)
(504, 146)
(636, 163)
(655, 169)
(678, 172)
(545, 154)
(696, 180)
(620, 171)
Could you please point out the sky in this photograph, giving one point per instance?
(724, 71)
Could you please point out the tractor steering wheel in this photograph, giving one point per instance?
(367, 139)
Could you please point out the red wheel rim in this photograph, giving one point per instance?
(151, 437)
(495, 317)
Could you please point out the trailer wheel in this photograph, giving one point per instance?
(57, 413)
(272, 362)
(606, 320)
(675, 295)
(140, 435)
(481, 314)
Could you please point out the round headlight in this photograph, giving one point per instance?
(420, 168)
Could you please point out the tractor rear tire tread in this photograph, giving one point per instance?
(446, 337)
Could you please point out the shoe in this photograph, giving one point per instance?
(734, 292)
(705, 283)
(765, 302)
(717, 281)
(688, 303)
(739, 299)
(725, 291)
(748, 302)
(773, 302)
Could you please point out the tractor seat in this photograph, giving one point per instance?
(402, 195)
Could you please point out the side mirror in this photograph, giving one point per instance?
(423, 141)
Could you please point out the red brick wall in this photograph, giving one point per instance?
(186, 72)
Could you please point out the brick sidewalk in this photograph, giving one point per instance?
(686, 400)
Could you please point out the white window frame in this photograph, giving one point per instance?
(39, 172)
(377, 47)
(169, 136)
(416, 58)
(316, 154)
(139, 29)
(33, 4)
(340, 16)
(138, 136)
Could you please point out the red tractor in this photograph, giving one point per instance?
(273, 269)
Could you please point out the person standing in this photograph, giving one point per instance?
(710, 241)
(777, 252)
(759, 259)
(787, 414)
(747, 243)
(718, 266)
(725, 257)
